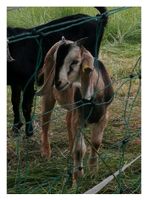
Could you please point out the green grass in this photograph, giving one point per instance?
(125, 26)
(28, 172)
(33, 16)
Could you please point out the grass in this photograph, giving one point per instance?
(28, 172)
(33, 16)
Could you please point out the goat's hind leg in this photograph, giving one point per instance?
(48, 103)
(96, 141)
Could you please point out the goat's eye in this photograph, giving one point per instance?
(70, 69)
(74, 62)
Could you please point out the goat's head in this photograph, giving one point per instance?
(73, 63)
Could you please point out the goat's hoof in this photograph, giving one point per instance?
(29, 130)
(46, 152)
(78, 174)
(16, 128)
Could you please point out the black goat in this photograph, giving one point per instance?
(21, 72)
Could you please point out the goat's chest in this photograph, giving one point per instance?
(64, 98)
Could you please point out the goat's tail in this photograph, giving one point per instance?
(103, 11)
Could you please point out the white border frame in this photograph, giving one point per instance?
(58, 3)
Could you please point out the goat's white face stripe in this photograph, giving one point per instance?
(73, 55)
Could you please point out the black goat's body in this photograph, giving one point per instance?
(21, 73)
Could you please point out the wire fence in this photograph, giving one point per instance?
(30, 173)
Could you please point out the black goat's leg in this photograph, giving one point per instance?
(15, 99)
(28, 95)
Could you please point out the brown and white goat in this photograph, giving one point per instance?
(85, 90)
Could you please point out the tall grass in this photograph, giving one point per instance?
(33, 16)
(124, 26)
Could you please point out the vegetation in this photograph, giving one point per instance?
(28, 172)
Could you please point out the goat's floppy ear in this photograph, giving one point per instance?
(81, 42)
(87, 60)
(48, 70)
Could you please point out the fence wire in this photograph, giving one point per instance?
(32, 174)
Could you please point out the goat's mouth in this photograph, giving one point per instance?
(62, 87)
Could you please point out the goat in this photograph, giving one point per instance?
(21, 73)
(84, 90)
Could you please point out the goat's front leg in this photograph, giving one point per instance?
(15, 99)
(79, 148)
(48, 103)
(28, 95)
(96, 140)
(69, 120)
